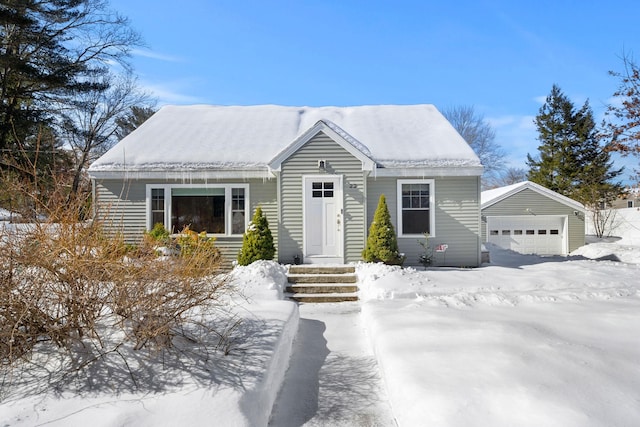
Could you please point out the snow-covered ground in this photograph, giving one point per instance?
(524, 341)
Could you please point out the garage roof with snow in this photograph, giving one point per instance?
(491, 197)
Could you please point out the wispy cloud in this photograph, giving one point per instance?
(155, 55)
(540, 99)
(170, 93)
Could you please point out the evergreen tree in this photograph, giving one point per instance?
(131, 121)
(571, 159)
(557, 166)
(382, 244)
(257, 241)
(51, 50)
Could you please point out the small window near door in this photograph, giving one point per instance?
(554, 231)
(506, 232)
(494, 232)
(531, 232)
(517, 232)
(542, 231)
(322, 189)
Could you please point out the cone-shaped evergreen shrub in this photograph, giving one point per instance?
(382, 245)
(257, 242)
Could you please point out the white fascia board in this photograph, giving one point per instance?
(428, 171)
(276, 163)
(184, 174)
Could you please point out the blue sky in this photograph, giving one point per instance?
(499, 56)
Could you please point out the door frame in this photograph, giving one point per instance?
(339, 199)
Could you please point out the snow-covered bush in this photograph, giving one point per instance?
(257, 241)
(382, 244)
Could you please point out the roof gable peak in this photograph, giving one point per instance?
(337, 134)
(491, 197)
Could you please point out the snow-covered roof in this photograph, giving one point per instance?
(493, 196)
(208, 137)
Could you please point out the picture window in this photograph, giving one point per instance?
(214, 210)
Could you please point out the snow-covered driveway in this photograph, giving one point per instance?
(333, 377)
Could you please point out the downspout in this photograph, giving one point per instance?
(94, 208)
(479, 198)
(279, 210)
(365, 194)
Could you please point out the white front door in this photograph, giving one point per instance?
(323, 227)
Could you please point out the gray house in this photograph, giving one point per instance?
(317, 173)
(531, 219)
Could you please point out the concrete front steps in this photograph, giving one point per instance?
(316, 283)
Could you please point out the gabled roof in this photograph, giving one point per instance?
(491, 197)
(208, 137)
(346, 141)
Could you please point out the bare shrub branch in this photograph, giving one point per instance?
(68, 288)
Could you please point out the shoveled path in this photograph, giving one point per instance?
(333, 377)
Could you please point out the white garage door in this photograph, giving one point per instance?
(531, 234)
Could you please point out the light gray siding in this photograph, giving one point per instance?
(538, 205)
(122, 206)
(305, 162)
(457, 219)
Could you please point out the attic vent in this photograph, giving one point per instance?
(322, 164)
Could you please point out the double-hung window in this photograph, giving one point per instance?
(415, 207)
(157, 206)
(213, 209)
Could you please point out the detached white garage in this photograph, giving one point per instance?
(531, 219)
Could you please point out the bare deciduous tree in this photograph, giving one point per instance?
(508, 176)
(604, 221)
(480, 136)
(91, 121)
(622, 125)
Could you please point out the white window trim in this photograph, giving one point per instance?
(227, 204)
(432, 200)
